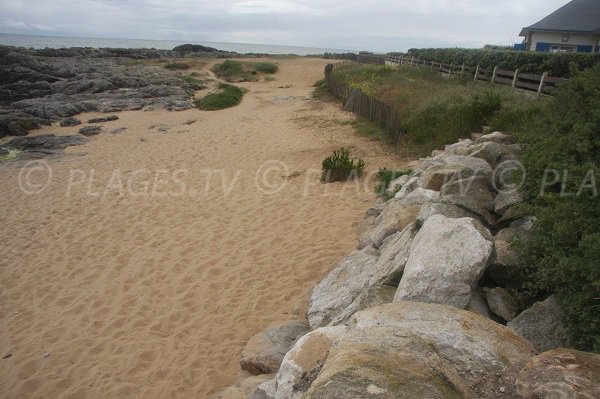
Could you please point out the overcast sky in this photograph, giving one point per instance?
(385, 25)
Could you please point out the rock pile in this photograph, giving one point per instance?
(42, 86)
(420, 309)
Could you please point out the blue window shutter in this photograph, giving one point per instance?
(542, 46)
(584, 49)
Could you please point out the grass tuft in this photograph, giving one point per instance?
(227, 96)
(339, 166)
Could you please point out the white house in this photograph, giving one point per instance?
(575, 27)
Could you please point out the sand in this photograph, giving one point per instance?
(129, 276)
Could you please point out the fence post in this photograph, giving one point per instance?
(476, 72)
(450, 71)
(431, 64)
(494, 74)
(462, 69)
(541, 88)
(411, 60)
(515, 78)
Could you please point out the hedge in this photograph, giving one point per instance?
(556, 64)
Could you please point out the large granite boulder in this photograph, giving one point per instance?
(460, 166)
(448, 210)
(472, 193)
(302, 364)
(447, 259)
(493, 153)
(393, 255)
(243, 389)
(467, 340)
(416, 350)
(357, 282)
(495, 137)
(541, 325)
(420, 196)
(561, 373)
(396, 184)
(378, 363)
(266, 390)
(332, 300)
(506, 199)
(395, 216)
(265, 351)
(502, 302)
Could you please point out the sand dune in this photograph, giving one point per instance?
(122, 286)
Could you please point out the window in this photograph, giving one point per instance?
(560, 48)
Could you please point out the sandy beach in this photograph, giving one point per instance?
(154, 254)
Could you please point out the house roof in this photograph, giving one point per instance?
(575, 16)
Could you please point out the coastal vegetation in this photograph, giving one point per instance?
(339, 166)
(434, 110)
(562, 162)
(238, 71)
(557, 64)
(227, 96)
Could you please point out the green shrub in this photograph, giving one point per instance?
(227, 69)
(227, 96)
(385, 177)
(563, 255)
(237, 71)
(557, 64)
(177, 66)
(265, 67)
(339, 166)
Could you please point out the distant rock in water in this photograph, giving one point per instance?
(194, 48)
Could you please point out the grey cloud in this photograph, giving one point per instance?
(379, 25)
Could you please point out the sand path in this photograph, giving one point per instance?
(131, 276)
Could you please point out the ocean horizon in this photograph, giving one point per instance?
(39, 42)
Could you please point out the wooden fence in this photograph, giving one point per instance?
(540, 84)
(360, 103)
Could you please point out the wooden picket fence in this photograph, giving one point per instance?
(362, 104)
(539, 84)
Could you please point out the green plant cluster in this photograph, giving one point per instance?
(237, 71)
(339, 166)
(563, 255)
(556, 64)
(227, 96)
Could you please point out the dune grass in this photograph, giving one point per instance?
(435, 110)
(237, 71)
(227, 96)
